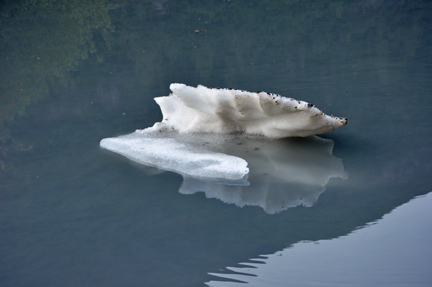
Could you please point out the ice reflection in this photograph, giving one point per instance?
(283, 173)
(272, 174)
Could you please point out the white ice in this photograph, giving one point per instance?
(228, 111)
(188, 159)
(206, 135)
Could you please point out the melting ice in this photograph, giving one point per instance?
(211, 135)
(170, 152)
(227, 111)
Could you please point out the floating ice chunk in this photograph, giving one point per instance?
(185, 158)
(228, 111)
(203, 136)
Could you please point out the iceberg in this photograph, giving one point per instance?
(229, 111)
(219, 141)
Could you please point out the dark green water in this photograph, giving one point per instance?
(74, 73)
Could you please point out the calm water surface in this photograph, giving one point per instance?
(73, 214)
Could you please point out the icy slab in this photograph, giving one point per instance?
(186, 158)
(228, 111)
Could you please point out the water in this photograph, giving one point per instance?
(375, 262)
(75, 215)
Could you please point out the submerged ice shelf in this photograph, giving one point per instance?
(186, 158)
(209, 136)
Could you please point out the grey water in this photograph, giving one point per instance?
(75, 72)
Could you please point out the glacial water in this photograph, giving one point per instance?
(350, 208)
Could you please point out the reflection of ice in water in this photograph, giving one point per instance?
(282, 173)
